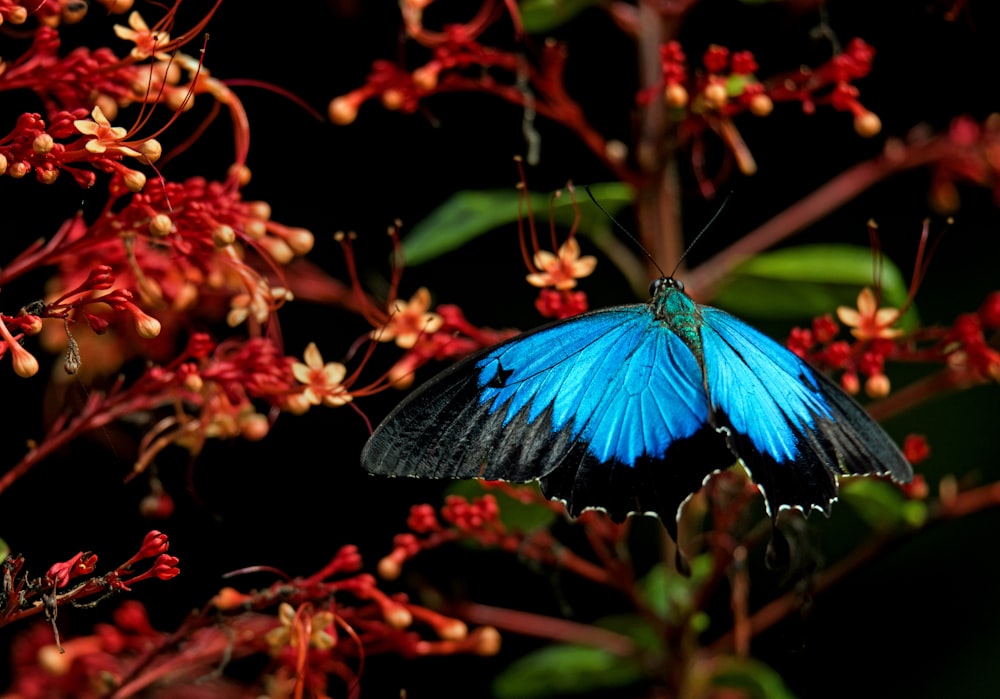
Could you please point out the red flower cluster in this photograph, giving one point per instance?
(728, 85)
(711, 98)
(309, 632)
(24, 596)
(963, 348)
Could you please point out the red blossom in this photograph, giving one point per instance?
(423, 519)
(915, 448)
(800, 341)
(165, 567)
(562, 303)
(154, 544)
(80, 564)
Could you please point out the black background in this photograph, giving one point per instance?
(920, 621)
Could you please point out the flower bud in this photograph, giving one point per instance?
(223, 236)
(397, 616)
(254, 427)
(297, 404)
(389, 568)
(878, 386)
(392, 99)
(241, 173)
(42, 144)
(31, 324)
(146, 326)
(867, 124)
(761, 105)
(134, 180)
(675, 96)
(160, 225)
(616, 151)
(715, 95)
(255, 229)
(152, 149)
(487, 640)
(300, 240)
(426, 77)
(278, 249)
(259, 210)
(342, 111)
(230, 599)
(18, 15)
(25, 364)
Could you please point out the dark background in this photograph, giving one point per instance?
(920, 621)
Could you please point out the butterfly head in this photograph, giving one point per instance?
(658, 286)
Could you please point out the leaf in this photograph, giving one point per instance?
(668, 593)
(881, 504)
(809, 281)
(751, 678)
(514, 514)
(468, 214)
(565, 669)
(540, 16)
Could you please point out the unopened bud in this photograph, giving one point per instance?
(342, 111)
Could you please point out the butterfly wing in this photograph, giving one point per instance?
(794, 429)
(606, 409)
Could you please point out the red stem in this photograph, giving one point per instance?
(546, 627)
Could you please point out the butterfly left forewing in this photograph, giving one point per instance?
(793, 428)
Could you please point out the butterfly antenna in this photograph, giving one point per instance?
(623, 229)
(704, 229)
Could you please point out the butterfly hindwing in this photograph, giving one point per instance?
(794, 429)
(606, 409)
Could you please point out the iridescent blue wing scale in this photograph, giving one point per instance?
(794, 429)
(607, 409)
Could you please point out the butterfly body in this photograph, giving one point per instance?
(632, 408)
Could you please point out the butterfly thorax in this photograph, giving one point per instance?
(677, 311)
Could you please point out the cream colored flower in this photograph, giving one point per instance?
(146, 41)
(409, 320)
(282, 636)
(106, 137)
(562, 270)
(324, 382)
(868, 321)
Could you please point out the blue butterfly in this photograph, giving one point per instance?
(630, 409)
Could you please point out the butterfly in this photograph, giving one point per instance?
(631, 409)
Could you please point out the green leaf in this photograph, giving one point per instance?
(540, 16)
(468, 214)
(4, 550)
(636, 627)
(881, 504)
(753, 679)
(670, 594)
(808, 281)
(565, 669)
(515, 515)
